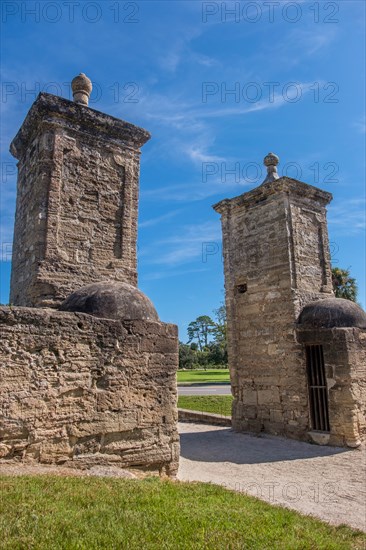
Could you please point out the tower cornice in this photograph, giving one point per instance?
(50, 108)
(283, 185)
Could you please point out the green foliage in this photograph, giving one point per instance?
(220, 334)
(344, 286)
(199, 330)
(217, 353)
(187, 356)
(206, 344)
(49, 512)
(219, 330)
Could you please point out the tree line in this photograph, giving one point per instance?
(207, 345)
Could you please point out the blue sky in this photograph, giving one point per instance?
(296, 71)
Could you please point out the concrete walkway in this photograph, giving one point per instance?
(205, 389)
(327, 482)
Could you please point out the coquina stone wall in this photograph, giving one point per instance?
(276, 259)
(77, 201)
(87, 370)
(344, 355)
(81, 391)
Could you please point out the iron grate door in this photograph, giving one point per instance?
(318, 393)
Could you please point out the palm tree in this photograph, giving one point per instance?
(344, 285)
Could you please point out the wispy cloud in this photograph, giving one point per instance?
(155, 221)
(194, 191)
(179, 47)
(198, 155)
(192, 116)
(157, 275)
(360, 125)
(276, 100)
(310, 41)
(188, 128)
(303, 43)
(204, 60)
(189, 245)
(348, 217)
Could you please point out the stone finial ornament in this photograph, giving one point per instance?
(271, 161)
(81, 89)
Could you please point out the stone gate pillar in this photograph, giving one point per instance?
(77, 198)
(276, 259)
(91, 382)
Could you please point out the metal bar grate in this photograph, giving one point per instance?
(318, 394)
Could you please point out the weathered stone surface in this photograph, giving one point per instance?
(344, 352)
(77, 201)
(276, 261)
(83, 391)
(111, 300)
(332, 312)
(94, 385)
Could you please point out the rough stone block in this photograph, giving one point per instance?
(90, 402)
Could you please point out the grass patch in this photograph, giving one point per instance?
(47, 512)
(203, 376)
(217, 404)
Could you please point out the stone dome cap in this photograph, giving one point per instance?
(332, 312)
(111, 300)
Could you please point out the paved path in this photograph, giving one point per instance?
(205, 389)
(327, 482)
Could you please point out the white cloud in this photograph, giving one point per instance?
(194, 242)
(199, 156)
(302, 43)
(348, 217)
(195, 191)
(204, 60)
(155, 221)
(157, 275)
(311, 41)
(361, 125)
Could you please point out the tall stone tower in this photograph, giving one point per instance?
(77, 199)
(276, 260)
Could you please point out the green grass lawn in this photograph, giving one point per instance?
(55, 513)
(218, 404)
(203, 376)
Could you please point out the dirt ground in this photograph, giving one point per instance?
(326, 482)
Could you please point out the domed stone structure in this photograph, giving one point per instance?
(331, 313)
(111, 300)
(334, 337)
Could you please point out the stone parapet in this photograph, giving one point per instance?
(49, 109)
(83, 391)
(281, 185)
